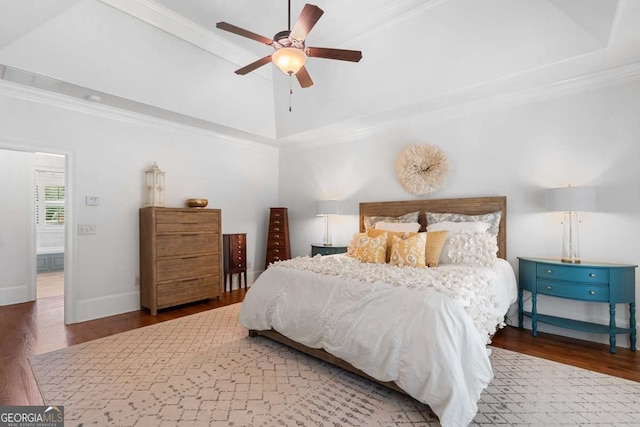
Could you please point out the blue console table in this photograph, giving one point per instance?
(592, 282)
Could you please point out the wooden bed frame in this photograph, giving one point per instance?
(467, 206)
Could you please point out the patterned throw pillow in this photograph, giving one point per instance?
(370, 221)
(435, 243)
(371, 249)
(409, 252)
(493, 219)
(389, 236)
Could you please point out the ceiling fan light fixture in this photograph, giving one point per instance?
(289, 59)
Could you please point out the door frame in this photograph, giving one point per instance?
(69, 226)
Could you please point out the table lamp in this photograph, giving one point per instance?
(571, 200)
(327, 208)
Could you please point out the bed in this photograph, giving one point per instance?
(423, 332)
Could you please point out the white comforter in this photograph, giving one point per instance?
(426, 336)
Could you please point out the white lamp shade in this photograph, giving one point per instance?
(289, 59)
(571, 199)
(327, 207)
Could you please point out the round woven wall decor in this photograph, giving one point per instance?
(421, 169)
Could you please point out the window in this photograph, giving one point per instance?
(49, 199)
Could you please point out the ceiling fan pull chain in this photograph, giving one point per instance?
(290, 91)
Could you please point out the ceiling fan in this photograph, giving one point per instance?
(290, 51)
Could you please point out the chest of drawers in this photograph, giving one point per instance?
(591, 282)
(180, 256)
(278, 247)
(235, 258)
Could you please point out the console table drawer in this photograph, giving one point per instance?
(586, 292)
(573, 273)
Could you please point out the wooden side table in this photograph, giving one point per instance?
(235, 258)
(592, 282)
(320, 249)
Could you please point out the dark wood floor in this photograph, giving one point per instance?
(37, 327)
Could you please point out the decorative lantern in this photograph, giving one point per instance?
(154, 186)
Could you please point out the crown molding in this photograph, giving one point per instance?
(198, 127)
(172, 23)
(441, 108)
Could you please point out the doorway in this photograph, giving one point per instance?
(18, 257)
(49, 219)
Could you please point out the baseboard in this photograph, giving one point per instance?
(96, 308)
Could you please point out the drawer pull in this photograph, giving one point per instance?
(276, 229)
(549, 271)
(277, 236)
(277, 243)
(276, 250)
(276, 257)
(276, 222)
(592, 274)
(190, 257)
(549, 288)
(592, 292)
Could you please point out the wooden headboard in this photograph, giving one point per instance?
(468, 206)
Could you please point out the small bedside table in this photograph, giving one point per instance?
(592, 282)
(320, 249)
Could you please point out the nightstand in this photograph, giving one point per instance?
(319, 249)
(591, 282)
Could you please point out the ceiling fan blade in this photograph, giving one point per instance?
(257, 64)
(307, 19)
(339, 54)
(304, 78)
(242, 32)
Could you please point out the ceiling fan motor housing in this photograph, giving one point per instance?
(282, 39)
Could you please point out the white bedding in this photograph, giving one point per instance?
(429, 338)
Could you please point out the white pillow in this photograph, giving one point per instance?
(476, 249)
(405, 227)
(456, 227)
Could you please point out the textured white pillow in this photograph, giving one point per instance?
(405, 227)
(456, 227)
(477, 249)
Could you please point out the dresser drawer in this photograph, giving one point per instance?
(185, 221)
(186, 244)
(276, 254)
(584, 292)
(276, 243)
(190, 266)
(184, 291)
(573, 273)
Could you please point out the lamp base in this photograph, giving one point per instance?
(570, 261)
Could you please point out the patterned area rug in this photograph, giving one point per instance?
(203, 370)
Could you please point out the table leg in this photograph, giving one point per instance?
(520, 308)
(612, 328)
(534, 314)
(632, 325)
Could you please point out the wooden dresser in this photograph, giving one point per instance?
(180, 256)
(235, 258)
(278, 247)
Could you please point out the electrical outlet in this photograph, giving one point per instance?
(136, 281)
(86, 229)
(92, 200)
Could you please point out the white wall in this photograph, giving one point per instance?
(590, 138)
(110, 151)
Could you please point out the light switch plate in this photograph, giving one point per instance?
(86, 229)
(92, 200)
